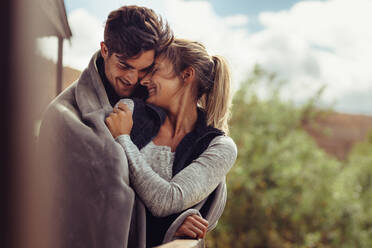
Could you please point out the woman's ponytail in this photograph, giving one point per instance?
(217, 101)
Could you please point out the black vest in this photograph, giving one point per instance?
(147, 120)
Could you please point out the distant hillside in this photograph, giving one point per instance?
(334, 132)
(337, 132)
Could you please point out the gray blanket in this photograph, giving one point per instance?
(94, 206)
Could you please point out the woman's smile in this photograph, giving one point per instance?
(152, 90)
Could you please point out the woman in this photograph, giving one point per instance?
(194, 90)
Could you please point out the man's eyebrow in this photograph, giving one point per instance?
(149, 67)
(131, 67)
(126, 64)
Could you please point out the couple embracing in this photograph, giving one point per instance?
(140, 139)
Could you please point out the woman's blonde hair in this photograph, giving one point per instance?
(212, 77)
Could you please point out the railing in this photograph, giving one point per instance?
(184, 243)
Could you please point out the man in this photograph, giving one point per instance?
(132, 37)
(94, 204)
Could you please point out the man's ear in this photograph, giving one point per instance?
(104, 50)
(188, 74)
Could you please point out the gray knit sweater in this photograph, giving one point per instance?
(151, 173)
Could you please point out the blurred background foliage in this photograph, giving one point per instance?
(285, 191)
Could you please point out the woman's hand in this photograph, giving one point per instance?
(193, 226)
(120, 120)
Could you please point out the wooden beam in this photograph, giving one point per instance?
(184, 243)
(59, 66)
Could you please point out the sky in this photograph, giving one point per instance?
(309, 44)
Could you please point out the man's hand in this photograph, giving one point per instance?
(120, 120)
(194, 226)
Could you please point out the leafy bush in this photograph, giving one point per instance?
(283, 190)
(353, 193)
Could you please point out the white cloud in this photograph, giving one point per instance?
(227, 36)
(321, 43)
(236, 20)
(312, 44)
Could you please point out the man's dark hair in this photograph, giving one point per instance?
(131, 30)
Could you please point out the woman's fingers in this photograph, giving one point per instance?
(187, 229)
(122, 111)
(108, 121)
(120, 120)
(184, 231)
(199, 223)
(194, 226)
(199, 232)
(199, 220)
(124, 107)
(113, 115)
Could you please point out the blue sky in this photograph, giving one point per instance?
(309, 44)
(222, 7)
(250, 7)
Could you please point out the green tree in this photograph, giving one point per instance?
(280, 190)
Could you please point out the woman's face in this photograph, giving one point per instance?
(162, 84)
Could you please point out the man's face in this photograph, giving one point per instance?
(123, 75)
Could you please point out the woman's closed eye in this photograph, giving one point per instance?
(154, 70)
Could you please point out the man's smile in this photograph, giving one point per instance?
(124, 82)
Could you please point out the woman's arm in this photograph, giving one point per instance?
(188, 187)
(193, 225)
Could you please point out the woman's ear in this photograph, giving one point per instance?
(188, 75)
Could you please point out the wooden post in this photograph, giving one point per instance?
(59, 66)
(7, 97)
